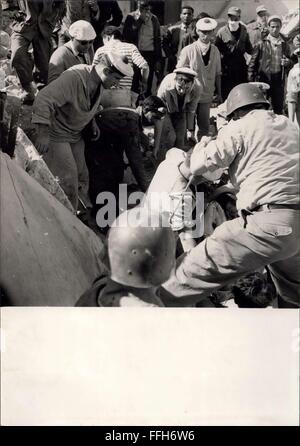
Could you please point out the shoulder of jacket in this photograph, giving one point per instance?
(190, 47)
(214, 48)
(223, 29)
(59, 52)
(197, 86)
(252, 25)
(168, 81)
(174, 27)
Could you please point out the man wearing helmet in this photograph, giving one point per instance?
(141, 256)
(264, 168)
(221, 117)
(63, 109)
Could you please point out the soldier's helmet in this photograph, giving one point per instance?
(243, 95)
(141, 249)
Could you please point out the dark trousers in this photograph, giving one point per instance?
(232, 78)
(276, 93)
(106, 166)
(151, 59)
(22, 61)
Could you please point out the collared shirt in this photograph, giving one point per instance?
(65, 105)
(146, 36)
(276, 49)
(125, 49)
(66, 57)
(263, 162)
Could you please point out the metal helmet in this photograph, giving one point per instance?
(243, 95)
(141, 249)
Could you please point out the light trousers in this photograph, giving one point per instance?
(67, 162)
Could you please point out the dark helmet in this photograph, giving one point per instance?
(141, 249)
(243, 95)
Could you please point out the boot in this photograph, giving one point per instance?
(28, 95)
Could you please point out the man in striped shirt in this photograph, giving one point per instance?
(112, 39)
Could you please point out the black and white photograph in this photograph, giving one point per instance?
(149, 160)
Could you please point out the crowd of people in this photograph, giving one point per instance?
(106, 82)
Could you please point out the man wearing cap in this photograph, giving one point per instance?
(140, 256)
(176, 34)
(263, 167)
(33, 25)
(259, 28)
(63, 109)
(203, 57)
(222, 118)
(79, 50)
(233, 43)
(293, 90)
(181, 92)
(270, 62)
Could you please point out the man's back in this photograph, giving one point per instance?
(266, 167)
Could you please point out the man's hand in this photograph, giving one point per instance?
(95, 131)
(42, 139)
